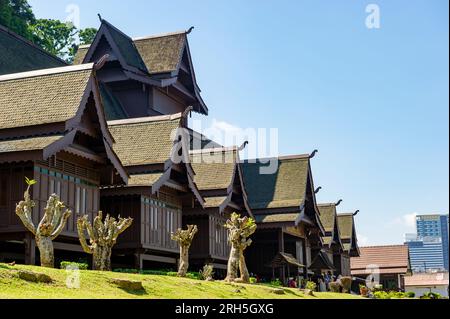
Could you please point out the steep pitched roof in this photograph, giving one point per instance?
(389, 259)
(217, 169)
(328, 217)
(56, 95)
(113, 108)
(145, 141)
(214, 170)
(20, 55)
(162, 53)
(42, 97)
(347, 231)
(286, 187)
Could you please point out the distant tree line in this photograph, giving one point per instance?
(54, 36)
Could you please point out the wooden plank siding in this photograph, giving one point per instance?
(78, 194)
(218, 237)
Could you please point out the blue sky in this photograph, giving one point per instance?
(374, 102)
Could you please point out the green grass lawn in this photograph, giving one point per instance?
(95, 284)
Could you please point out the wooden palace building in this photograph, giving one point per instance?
(53, 129)
(284, 206)
(111, 133)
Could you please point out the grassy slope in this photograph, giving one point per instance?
(94, 284)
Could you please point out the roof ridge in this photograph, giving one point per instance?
(392, 245)
(280, 158)
(44, 72)
(213, 149)
(25, 40)
(326, 204)
(146, 119)
(161, 35)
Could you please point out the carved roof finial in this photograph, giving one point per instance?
(356, 212)
(313, 154)
(317, 189)
(243, 146)
(186, 111)
(338, 202)
(190, 30)
(99, 17)
(101, 62)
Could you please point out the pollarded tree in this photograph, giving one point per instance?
(239, 229)
(102, 237)
(50, 226)
(184, 239)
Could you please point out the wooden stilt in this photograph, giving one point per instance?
(30, 249)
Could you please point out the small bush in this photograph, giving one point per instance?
(207, 272)
(410, 294)
(381, 295)
(431, 295)
(193, 275)
(335, 286)
(276, 283)
(81, 266)
(311, 285)
(253, 280)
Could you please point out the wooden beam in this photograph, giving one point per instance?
(68, 247)
(168, 260)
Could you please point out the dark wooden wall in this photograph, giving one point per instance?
(12, 187)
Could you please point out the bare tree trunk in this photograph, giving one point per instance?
(184, 261)
(245, 276)
(233, 264)
(102, 258)
(46, 251)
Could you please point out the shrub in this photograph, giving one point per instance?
(253, 280)
(207, 272)
(193, 275)
(346, 283)
(311, 285)
(81, 266)
(381, 295)
(431, 295)
(276, 283)
(410, 294)
(335, 286)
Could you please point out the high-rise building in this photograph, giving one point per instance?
(425, 253)
(434, 226)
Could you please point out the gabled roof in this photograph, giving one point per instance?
(328, 217)
(321, 262)
(20, 55)
(347, 231)
(113, 108)
(286, 187)
(389, 259)
(162, 53)
(217, 169)
(146, 140)
(160, 57)
(43, 96)
(56, 96)
(122, 45)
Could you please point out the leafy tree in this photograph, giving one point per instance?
(17, 15)
(54, 36)
(87, 35)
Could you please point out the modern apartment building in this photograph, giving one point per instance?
(434, 226)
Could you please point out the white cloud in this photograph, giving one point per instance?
(408, 221)
(362, 240)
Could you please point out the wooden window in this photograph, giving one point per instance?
(77, 199)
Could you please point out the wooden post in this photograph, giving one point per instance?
(138, 262)
(30, 249)
(281, 249)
